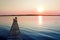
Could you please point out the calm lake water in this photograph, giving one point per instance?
(48, 29)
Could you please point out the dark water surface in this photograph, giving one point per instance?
(30, 29)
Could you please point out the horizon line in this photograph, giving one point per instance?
(30, 15)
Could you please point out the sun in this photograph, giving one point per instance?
(40, 9)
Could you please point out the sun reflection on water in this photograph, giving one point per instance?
(40, 20)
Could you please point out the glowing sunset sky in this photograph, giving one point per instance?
(12, 6)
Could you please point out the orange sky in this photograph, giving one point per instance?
(12, 7)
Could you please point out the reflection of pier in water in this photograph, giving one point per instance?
(14, 32)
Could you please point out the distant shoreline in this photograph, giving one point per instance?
(29, 15)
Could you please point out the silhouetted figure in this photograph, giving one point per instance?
(14, 32)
